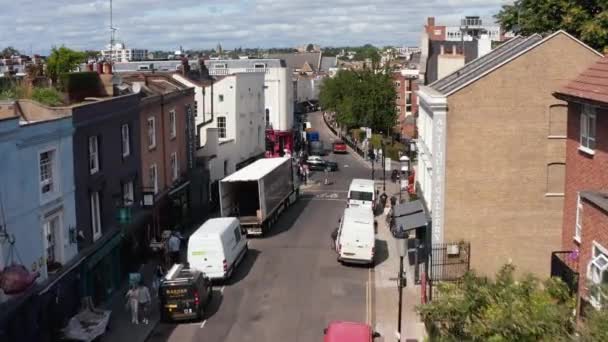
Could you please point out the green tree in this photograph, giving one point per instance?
(503, 309)
(310, 48)
(360, 98)
(47, 96)
(9, 51)
(595, 325)
(63, 60)
(585, 19)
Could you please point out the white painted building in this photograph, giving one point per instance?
(278, 86)
(308, 88)
(234, 132)
(120, 53)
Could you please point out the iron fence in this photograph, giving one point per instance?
(448, 262)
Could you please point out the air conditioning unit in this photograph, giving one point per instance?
(453, 250)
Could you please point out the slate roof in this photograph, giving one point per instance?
(592, 84)
(482, 65)
(297, 60)
(247, 63)
(327, 63)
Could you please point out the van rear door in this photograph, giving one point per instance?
(208, 257)
(178, 301)
(357, 244)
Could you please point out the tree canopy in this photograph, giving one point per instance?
(503, 309)
(8, 52)
(360, 98)
(585, 19)
(63, 60)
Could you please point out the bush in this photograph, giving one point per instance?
(47, 96)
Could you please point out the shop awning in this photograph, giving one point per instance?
(408, 208)
(409, 222)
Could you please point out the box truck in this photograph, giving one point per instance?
(258, 193)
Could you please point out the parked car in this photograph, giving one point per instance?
(320, 164)
(342, 331)
(340, 147)
(316, 147)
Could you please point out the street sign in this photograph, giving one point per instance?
(387, 164)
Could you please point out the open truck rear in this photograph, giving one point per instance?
(258, 193)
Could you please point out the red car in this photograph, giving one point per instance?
(339, 146)
(342, 331)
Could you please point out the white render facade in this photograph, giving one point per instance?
(278, 86)
(235, 131)
(431, 155)
(120, 53)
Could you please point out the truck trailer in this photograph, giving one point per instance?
(259, 193)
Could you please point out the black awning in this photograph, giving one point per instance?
(409, 222)
(408, 208)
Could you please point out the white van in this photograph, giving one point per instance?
(356, 241)
(217, 247)
(361, 193)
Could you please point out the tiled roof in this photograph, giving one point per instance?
(327, 63)
(484, 64)
(296, 60)
(592, 84)
(246, 63)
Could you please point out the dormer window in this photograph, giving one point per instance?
(220, 66)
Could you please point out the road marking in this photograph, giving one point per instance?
(222, 289)
(369, 308)
(203, 324)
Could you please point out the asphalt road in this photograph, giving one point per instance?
(290, 285)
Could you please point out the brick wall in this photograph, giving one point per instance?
(595, 228)
(583, 171)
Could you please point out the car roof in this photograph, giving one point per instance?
(342, 331)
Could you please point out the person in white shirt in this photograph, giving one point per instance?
(173, 246)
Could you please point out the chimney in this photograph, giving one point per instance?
(107, 68)
(430, 21)
(90, 67)
(442, 49)
(100, 68)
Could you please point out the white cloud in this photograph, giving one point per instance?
(153, 24)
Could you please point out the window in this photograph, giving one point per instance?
(153, 178)
(237, 234)
(578, 229)
(587, 139)
(173, 129)
(267, 117)
(174, 166)
(126, 145)
(220, 66)
(221, 98)
(51, 228)
(556, 178)
(259, 65)
(127, 194)
(221, 126)
(597, 274)
(398, 97)
(46, 171)
(397, 84)
(151, 133)
(558, 118)
(93, 155)
(398, 109)
(95, 215)
(195, 108)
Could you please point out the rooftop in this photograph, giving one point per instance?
(591, 85)
(246, 63)
(297, 60)
(600, 199)
(256, 170)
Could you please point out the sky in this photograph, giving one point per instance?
(37, 25)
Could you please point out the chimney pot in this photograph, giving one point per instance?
(430, 21)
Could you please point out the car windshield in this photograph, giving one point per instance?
(361, 196)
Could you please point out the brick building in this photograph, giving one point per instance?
(164, 164)
(406, 103)
(585, 215)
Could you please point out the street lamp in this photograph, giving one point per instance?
(405, 167)
(383, 167)
(401, 281)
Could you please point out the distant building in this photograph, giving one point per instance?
(120, 53)
(471, 27)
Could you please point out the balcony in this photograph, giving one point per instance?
(564, 265)
(261, 70)
(218, 72)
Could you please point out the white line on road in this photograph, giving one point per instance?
(203, 324)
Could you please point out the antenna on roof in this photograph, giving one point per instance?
(112, 33)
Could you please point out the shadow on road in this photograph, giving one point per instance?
(244, 267)
(214, 305)
(288, 218)
(381, 252)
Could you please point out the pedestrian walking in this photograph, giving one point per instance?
(174, 247)
(159, 273)
(143, 299)
(132, 297)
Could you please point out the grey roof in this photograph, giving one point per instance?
(416, 57)
(297, 60)
(170, 65)
(469, 72)
(327, 63)
(470, 53)
(412, 221)
(600, 199)
(246, 63)
(408, 208)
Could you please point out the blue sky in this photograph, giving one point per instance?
(196, 24)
